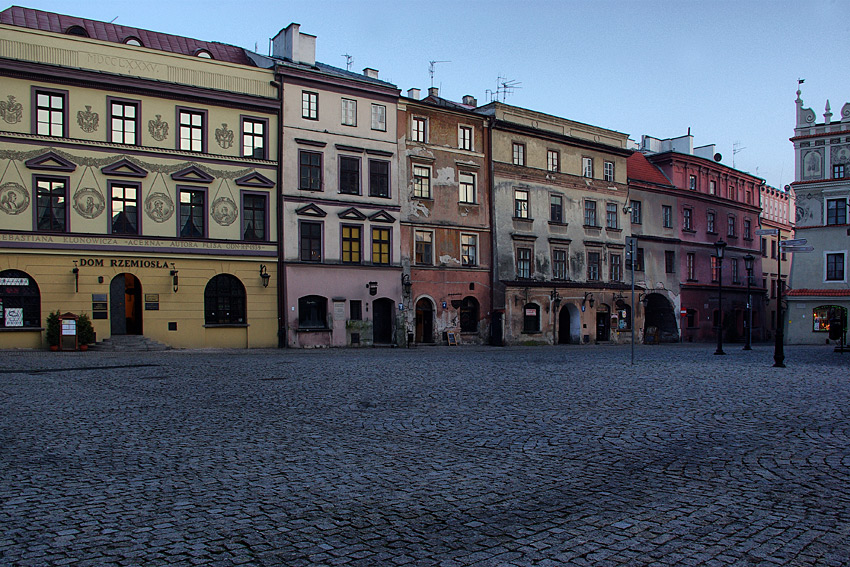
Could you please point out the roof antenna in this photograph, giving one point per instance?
(432, 68)
(736, 149)
(348, 61)
(112, 21)
(504, 87)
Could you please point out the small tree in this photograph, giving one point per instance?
(85, 330)
(53, 327)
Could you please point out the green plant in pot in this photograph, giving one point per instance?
(52, 333)
(85, 330)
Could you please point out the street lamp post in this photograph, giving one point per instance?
(720, 247)
(749, 259)
(779, 344)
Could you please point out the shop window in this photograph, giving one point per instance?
(224, 301)
(312, 312)
(469, 315)
(531, 318)
(822, 315)
(20, 301)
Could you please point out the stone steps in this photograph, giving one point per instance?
(129, 343)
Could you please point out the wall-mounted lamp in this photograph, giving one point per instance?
(76, 272)
(588, 297)
(406, 283)
(643, 298)
(265, 275)
(555, 296)
(174, 280)
(373, 288)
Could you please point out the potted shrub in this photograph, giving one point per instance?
(85, 332)
(52, 334)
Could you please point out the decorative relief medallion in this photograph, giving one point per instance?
(840, 154)
(224, 136)
(11, 111)
(802, 214)
(14, 198)
(224, 211)
(159, 207)
(87, 119)
(158, 129)
(89, 202)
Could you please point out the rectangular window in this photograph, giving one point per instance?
(352, 241)
(424, 247)
(709, 223)
(254, 138)
(518, 153)
(556, 208)
(763, 247)
(51, 205)
(523, 263)
(712, 187)
(835, 267)
(466, 185)
(692, 273)
(715, 269)
(612, 217)
(608, 171)
(310, 170)
(639, 260)
(838, 171)
(469, 249)
(192, 125)
(421, 181)
(379, 178)
(587, 167)
(637, 215)
(419, 129)
(51, 114)
(553, 160)
(748, 225)
(124, 122)
(836, 211)
(355, 310)
(349, 175)
(311, 241)
(670, 261)
(687, 219)
(616, 271)
(667, 216)
(124, 202)
(254, 210)
(590, 213)
(349, 112)
(559, 264)
(520, 204)
(731, 227)
(381, 246)
(309, 105)
(464, 137)
(193, 213)
(379, 117)
(735, 270)
(692, 182)
(593, 263)
(773, 249)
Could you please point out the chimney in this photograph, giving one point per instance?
(413, 93)
(470, 100)
(433, 91)
(295, 46)
(371, 73)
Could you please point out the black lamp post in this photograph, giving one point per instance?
(720, 247)
(749, 259)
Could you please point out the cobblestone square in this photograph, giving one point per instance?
(428, 456)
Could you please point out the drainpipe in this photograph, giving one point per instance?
(281, 265)
(488, 145)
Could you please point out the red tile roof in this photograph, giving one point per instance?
(59, 23)
(639, 169)
(820, 292)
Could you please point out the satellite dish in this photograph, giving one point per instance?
(718, 157)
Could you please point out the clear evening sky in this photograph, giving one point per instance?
(727, 70)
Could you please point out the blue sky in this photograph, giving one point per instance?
(727, 70)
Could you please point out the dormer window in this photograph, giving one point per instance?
(204, 54)
(133, 41)
(77, 30)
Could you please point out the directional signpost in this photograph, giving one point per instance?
(795, 242)
(767, 232)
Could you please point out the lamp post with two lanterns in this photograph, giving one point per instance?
(720, 248)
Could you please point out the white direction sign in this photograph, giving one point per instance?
(796, 242)
(767, 231)
(799, 248)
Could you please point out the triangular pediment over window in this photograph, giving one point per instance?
(50, 162)
(255, 180)
(311, 210)
(124, 168)
(352, 214)
(382, 216)
(193, 174)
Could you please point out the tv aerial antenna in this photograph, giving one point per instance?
(504, 87)
(432, 67)
(348, 61)
(736, 149)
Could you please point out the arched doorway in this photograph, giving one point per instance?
(424, 321)
(659, 319)
(469, 315)
(603, 323)
(569, 325)
(125, 305)
(382, 321)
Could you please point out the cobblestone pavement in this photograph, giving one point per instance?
(428, 456)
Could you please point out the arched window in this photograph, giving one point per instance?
(130, 40)
(20, 300)
(312, 312)
(204, 53)
(531, 318)
(469, 315)
(77, 30)
(224, 301)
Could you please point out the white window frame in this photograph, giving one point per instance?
(464, 249)
(421, 181)
(348, 109)
(608, 171)
(419, 129)
(467, 190)
(465, 137)
(518, 153)
(379, 117)
(553, 160)
(310, 105)
(587, 167)
(430, 241)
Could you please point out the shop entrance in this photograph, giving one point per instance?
(569, 325)
(125, 305)
(603, 323)
(424, 321)
(382, 321)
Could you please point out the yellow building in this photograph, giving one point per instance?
(138, 176)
